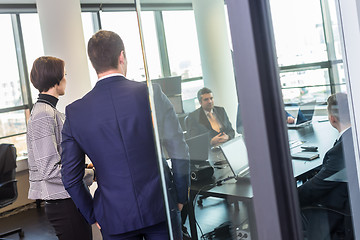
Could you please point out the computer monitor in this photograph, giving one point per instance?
(171, 86)
(176, 101)
(199, 147)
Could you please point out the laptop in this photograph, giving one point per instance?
(199, 147)
(304, 115)
(235, 154)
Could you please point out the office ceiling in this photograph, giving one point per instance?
(99, 1)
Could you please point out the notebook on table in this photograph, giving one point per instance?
(304, 115)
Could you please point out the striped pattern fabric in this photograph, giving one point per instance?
(44, 151)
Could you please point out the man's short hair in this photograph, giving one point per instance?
(46, 72)
(338, 107)
(104, 49)
(202, 91)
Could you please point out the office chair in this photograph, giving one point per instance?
(340, 229)
(8, 183)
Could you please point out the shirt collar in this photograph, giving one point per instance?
(207, 112)
(46, 98)
(111, 75)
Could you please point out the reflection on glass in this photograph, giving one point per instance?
(298, 39)
(10, 91)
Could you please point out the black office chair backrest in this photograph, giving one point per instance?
(8, 186)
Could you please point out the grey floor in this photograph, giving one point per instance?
(35, 225)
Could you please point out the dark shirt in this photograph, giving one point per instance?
(46, 98)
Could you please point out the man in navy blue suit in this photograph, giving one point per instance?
(319, 190)
(112, 124)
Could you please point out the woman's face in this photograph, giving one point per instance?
(62, 85)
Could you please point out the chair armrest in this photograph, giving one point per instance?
(8, 182)
(329, 209)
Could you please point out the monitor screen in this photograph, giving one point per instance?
(176, 101)
(171, 86)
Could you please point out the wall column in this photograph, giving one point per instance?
(63, 37)
(215, 53)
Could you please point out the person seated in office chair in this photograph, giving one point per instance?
(210, 118)
(330, 194)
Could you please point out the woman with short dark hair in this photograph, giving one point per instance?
(44, 151)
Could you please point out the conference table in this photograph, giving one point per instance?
(320, 134)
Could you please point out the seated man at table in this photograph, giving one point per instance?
(210, 118)
(319, 190)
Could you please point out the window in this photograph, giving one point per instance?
(12, 113)
(10, 90)
(308, 49)
(182, 43)
(87, 21)
(129, 33)
(33, 43)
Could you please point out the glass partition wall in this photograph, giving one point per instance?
(298, 185)
(205, 144)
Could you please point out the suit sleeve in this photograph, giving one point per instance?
(192, 128)
(316, 188)
(73, 159)
(172, 139)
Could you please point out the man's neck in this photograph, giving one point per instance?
(342, 127)
(112, 71)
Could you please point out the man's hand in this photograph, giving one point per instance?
(218, 139)
(290, 120)
(180, 206)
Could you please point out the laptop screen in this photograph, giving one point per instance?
(235, 153)
(306, 112)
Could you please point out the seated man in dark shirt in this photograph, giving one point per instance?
(318, 190)
(210, 118)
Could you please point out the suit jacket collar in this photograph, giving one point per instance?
(344, 134)
(203, 118)
(109, 79)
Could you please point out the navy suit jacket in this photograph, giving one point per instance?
(198, 123)
(112, 125)
(329, 193)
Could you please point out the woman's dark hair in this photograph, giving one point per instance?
(46, 72)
